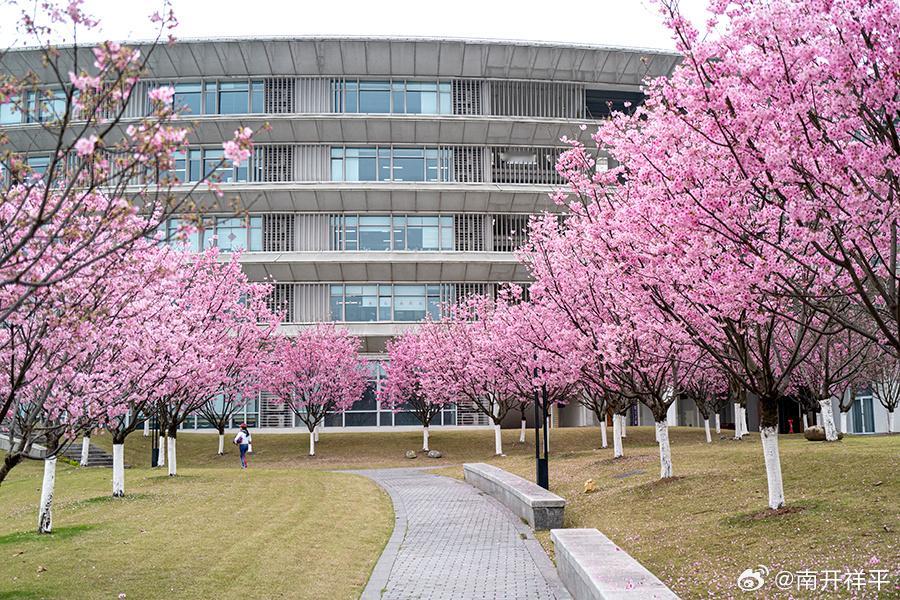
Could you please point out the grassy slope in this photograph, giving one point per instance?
(697, 532)
(209, 533)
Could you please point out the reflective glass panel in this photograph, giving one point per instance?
(187, 98)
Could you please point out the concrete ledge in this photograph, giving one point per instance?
(592, 567)
(541, 508)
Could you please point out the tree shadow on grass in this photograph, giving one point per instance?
(59, 534)
(21, 594)
(110, 498)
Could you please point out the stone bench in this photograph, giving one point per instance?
(541, 508)
(592, 567)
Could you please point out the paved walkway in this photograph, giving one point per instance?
(452, 541)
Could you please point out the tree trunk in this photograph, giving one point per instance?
(805, 421)
(425, 438)
(498, 440)
(744, 429)
(173, 463)
(617, 437)
(768, 431)
(161, 459)
(85, 450)
(718, 423)
(221, 443)
(890, 421)
(9, 461)
(623, 419)
(773, 466)
(118, 470)
(828, 420)
(708, 435)
(843, 422)
(604, 443)
(146, 427)
(312, 442)
(738, 434)
(522, 432)
(665, 451)
(316, 432)
(45, 510)
(549, 422)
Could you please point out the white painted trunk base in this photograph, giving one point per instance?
(161, 459)
(604, 443)
(45, 510)
(624, 423)
(805, 422)
(617, 437)
(843, 422)
(173, 462)
(312, 443)
(316, 432)
(718, 423)
(891, 422)
(118, 470)
(708, 434)
(831, 434)
(665, 450)
(522, 432)
(744, 429)
(146, 427)
(738, 434)
(221, 444)
(549, 422)
(769, 436)
(425, 439)
(498, 441)
(85, 450)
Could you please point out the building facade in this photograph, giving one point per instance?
(396, 175)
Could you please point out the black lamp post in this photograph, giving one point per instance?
(154, 441)
(540, 410)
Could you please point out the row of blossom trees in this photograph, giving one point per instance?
(103, 323)
(745, 243)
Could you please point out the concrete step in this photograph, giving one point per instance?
(97, 457)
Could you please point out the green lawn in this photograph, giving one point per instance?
(208, 533)
(285, 526)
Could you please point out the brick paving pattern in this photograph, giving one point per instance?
(452, 541)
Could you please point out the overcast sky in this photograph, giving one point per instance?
(602, 22)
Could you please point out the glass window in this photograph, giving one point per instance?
(195, 160)
(210, 98)
(360, 303)
(180, 169)
(257, 97)
(351, 97)
(399, 233)
(385, 302)
(409, 302)
(374, 97)
(337, 303)
(421, 97)
(233, 97)
(359, 164)
(10, 112)
(434, 301)
(447, 236)
(398, 96)
(409, 164)
(446, 106)
(215, 166)
(255, 238)
(46, 105)
(38, 164)
(374, 233)
(352, 233)
(422, 233)
(187, 98)
(231, 234)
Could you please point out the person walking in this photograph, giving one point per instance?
(243, 440)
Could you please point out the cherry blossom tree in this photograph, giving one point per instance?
(317, 372)
(410, 385)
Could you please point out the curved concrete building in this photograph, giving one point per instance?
(397, 174)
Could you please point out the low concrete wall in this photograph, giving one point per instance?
(541, 508)
(592, 567)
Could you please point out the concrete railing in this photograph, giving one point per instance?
(541, 508)
(592, 567)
